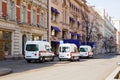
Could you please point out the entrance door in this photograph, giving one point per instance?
(2, 54)
(24, 39)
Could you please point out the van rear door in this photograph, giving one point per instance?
(32, 51)
(83, 51)
(64, 52)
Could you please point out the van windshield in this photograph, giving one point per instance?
(32, 47)
(83, 49)
(64, 49)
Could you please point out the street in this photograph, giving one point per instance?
(97, 68)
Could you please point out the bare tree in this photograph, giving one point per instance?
(89, 26)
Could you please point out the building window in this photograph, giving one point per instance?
(63, 34)
(42, 19)
(71, 24)
(34, 17)
(78, 24)
(12, 10)
(53, 16)
(23, 14)
(72, 36)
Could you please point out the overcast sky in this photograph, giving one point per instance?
(112, 6)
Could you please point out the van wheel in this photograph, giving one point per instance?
(60, 59)
(43, 59)
(72, 59)
(52, 58)
(28, 61)
(78, 59)
(91, 56)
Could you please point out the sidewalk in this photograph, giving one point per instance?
(104, 56)
(5, 71)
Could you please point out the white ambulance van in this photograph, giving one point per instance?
(38, 50)
(68, 51)
(85, 51)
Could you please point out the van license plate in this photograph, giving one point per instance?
(28, 56)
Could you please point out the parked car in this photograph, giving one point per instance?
(85, 51)
(38, 50)
(68, 51)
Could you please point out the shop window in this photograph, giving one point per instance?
(5, 38)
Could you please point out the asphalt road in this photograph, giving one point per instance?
(97, 68)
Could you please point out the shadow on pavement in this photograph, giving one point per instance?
(22, 66)
(105, 56)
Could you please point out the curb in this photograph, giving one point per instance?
(5, 71)
(113, 74)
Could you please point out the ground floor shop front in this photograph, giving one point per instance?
(13, 39)
(5, 42)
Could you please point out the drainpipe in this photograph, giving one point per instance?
(48, 20)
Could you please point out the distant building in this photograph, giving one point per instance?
(96, 30)
(116, 23)
(109, 30)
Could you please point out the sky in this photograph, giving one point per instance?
(112, 7)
